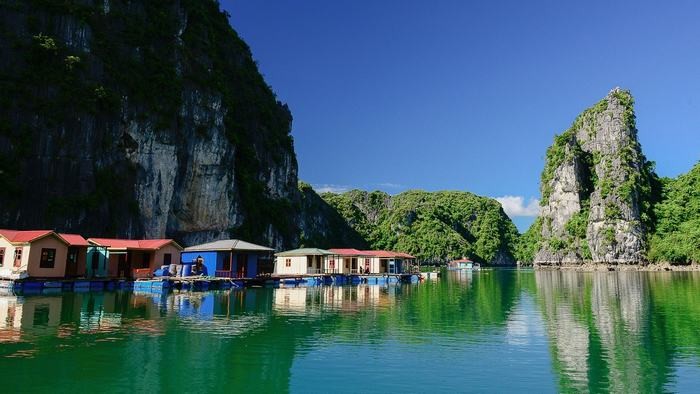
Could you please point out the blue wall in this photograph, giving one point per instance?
(214, 261)
(210, 259)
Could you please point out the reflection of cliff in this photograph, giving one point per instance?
(598, 330)
(559, 297)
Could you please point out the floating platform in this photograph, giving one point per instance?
(194, 283)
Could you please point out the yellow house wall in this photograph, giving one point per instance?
(34, 258)
(158, 259)
(297, 267)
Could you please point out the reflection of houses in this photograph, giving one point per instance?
(40, 254)
(302, 261)
(229, 258)
(22, 313)
(126, 258)
(290, 299)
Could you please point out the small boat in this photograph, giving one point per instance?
(429, 275)
(463, 264)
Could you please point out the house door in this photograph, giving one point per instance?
(72, 262)
(241, 266)
(123, 266)
(94, 267)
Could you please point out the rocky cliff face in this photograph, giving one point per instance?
(596, 189)
(141, 118)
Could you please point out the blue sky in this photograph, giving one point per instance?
(459, 95)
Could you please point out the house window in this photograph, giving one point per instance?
(18, 257)
(167, 259)
(2, 257)
(48, 258)
(288, 262)
(226, 264)
(366, 264)
(331, 264)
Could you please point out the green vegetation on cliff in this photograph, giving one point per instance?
(90, 88)
(677, 235)
(431, 226)
(321, 226)
(529, 243)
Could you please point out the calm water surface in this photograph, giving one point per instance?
(490, 331)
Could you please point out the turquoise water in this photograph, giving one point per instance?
(489, 331)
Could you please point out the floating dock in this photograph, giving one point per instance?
(196, 283)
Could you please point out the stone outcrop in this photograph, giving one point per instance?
(596, 189)
(140, 119)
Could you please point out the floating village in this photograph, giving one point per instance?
(44, 260)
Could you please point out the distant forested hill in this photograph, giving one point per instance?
(431, 226)
(677, 233)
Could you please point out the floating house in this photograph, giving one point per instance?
(347, 261)
(303, 261)
(128, 258)
(229, 258)
(77, 255)
(41, 254)
(386, 262)
(463, 264)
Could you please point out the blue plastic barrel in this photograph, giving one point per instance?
(186, 268)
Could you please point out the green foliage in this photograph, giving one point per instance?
(557, 154)
(529, 243)
(431, 226)
(557, 244)
(576, 226)
(609, 235)
(677, 231)
(612, 211)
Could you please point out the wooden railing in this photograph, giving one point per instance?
(226, 274)
(142, 273)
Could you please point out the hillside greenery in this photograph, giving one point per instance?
(677, 235)
(434, 226)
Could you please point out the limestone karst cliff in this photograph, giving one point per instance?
(597, 189)
(140, 118)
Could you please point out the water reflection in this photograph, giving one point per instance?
(629, 332)
(613, 331)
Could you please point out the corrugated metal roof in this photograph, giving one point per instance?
(143, 244)
(229, 244)
(305, 252)
(74, 239)
(24, 236)
(349, 252)
(387, 254)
